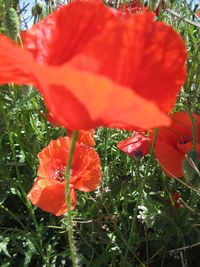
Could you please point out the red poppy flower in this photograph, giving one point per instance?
(174, 142)
(95, 67)
(48, 191)
(135, 146)
(198, 13)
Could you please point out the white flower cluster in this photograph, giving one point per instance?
(98, 191)
(142, 213)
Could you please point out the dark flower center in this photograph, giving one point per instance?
(59, 174)
(138, 153)
(183, 142)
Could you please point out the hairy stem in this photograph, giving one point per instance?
(67, 196)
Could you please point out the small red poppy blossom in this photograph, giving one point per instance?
(174, 142)
(136, 146)
(95, 67)
(198, 13)
(48, 191)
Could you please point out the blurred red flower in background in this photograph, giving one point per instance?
(174, 142)
(48, 191)
(176, 202)
(162, 4)
(131, 8)
(95, 67)
(135, 146)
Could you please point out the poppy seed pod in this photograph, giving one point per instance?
(33, 11)
(39, 7)
(12, 23)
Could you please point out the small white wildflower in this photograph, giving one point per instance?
(97, 191)
(107, 189)
(141, 207)
(142, 213)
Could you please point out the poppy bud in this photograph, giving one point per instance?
(190, 165)
(39, 7)
(12, 23)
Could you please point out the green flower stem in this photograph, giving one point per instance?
(140, 192)
(67, 196)
(20, 41)
(193, 129)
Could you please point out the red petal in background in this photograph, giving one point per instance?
(170, 159)
(135, 146)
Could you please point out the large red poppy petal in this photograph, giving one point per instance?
(82, 100)
(16, 64)
(70, 39)
(158, 61)
(89, 173)
(170, 159)
(148, 56)
(50, 196)
(54, 156)
(36, 40)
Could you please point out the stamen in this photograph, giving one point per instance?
(59, 174)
